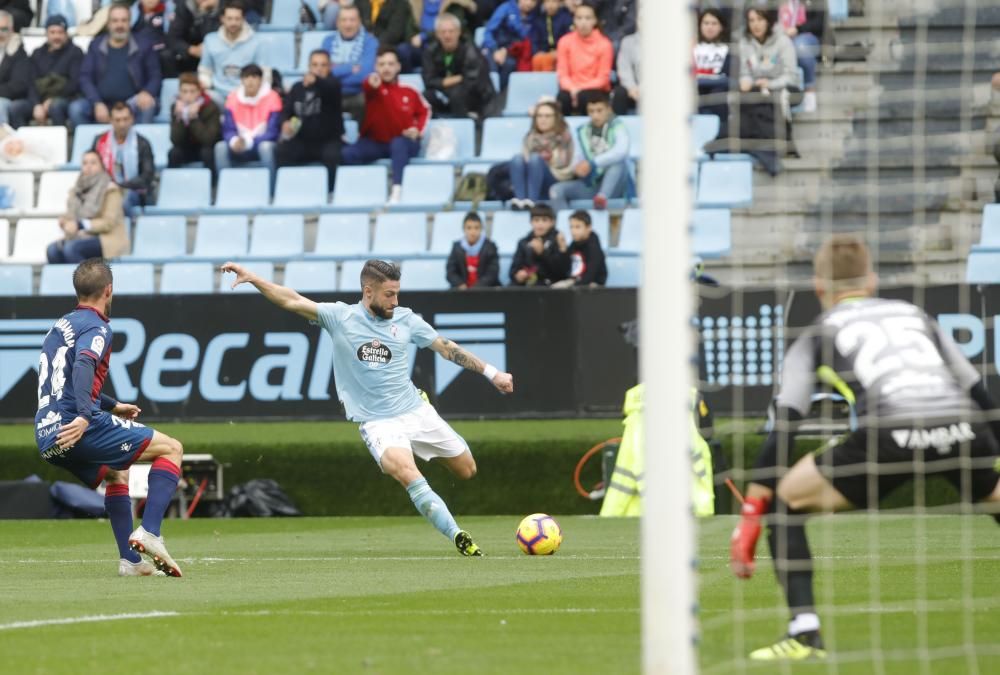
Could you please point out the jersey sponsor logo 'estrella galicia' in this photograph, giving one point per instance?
(375, 354)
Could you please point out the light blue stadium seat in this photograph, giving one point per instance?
(57, 280)
(187, 278)
(133, 278)
(15, 280)
(221, 237)
(360, 188)
(838, 9)
(182, 191)
(704, 128)
(465, 135)
(725, 184)
(600, 222)
(426, 187)
(351, 131)
(243, 189)
(509, 227)
(623, 271)
(159, 238)
(983, 267)
(495, 80)
(479, 35)
(168, 94)
(524, 90)
(633, 123)
(301, 188)
(83, 140)
(279, 45)
(711, 235)
(990, 234)
(502, 137)
(448, 229)
(350, 276)
(399, 235)
(278, 236)
(414, 80)
(158, 136)
(424, 275)
(505, 262)
(263, 269)
(311, 276)
(310, 40)
(342, 235)
(630, 232)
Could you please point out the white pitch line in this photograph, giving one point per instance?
(94, 618)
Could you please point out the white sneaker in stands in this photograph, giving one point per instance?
(395, 194)
(809, 102)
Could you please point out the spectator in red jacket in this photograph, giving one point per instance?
(396, 116)
(583, 63)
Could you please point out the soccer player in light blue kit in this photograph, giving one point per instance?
(373, 383)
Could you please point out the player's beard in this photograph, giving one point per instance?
(380, 311)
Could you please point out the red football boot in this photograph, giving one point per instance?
(743, 545)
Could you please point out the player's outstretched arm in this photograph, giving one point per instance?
(504, 382)
(283, 297)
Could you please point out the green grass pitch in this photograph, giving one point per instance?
(389, 595)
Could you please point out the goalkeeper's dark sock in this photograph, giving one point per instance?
(793, 566)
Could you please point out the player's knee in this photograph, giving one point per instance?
(114, 477)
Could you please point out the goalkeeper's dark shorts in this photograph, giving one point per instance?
(867, 465)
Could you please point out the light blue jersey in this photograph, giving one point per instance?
(369, 359)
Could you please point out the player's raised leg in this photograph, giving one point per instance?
(166, 454)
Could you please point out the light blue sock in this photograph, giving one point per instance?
(432, 507)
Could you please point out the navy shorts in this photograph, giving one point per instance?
(110, 442)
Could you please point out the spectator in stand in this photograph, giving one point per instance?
(712, 61)
(540, 258)
(312, 124)
(602, 168)
(393, 23)
(227, 51)
(352, 52)
(456, 76)
(150, 22)
(804, 26)
(251, 122)
(585, 263)
(53, 78)
(118, 67)
(474, 261)
(767, 57)
(546, 157)
(625, 96)
(329, 9)
(618, 18)
(548, 27)
(394, 124)
(15, 71)
(507, 40)
(584, 62)
(193, 22)
(128, 158)
(20, 12)
(195, 125)
(93, 224)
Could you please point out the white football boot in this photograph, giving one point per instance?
(143, 568)
(152, 547)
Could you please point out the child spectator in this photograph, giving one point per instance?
(584, 60)
(546, 157)
(252, 122)
(712, 63)
(804, 26)
(195, 125)
(539, 259)
(474, 261)
(548, 27)
(507, 40)
(602, 168)
(584, 255)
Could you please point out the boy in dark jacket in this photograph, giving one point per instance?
(538, 260)
(195, 125)
(474, 262)
(53, 78)
(584, 256)
(550, 24)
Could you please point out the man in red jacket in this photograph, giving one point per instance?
(396, 116)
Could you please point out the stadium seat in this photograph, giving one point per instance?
(447, 229)
(168, 94)
(351, 131)
(243, 189)
(704, 128)
(31, 42)
(57, 280)
(4, 239)
(725, 184)
(600, 222)
(350, 276)
(53, 189)
(400, 235)
(342, 235)
(311, 276)
(133, 278)
(465, 135)
(265, 270)
(279, 45)
(158, 136)
(989, 236)
(83, 140)
(983, 267)
(415, 80)
(525, 88)
(31, 237)
(502, 137)
(311, 39)
(187, 277)
(278, 236)
(300, 188)
(505, 262)
(285, 15)
(46, 141)
(508, 228)
(630, 232)
(424, 275)
(15, 280)
(479, 35)
(221, 237)
(426, 188)
(711, 233)
(838, 9)
(182, 191)
(21, 188)
(159, 238)
(359, 188)
(623, 271)
(633, 123)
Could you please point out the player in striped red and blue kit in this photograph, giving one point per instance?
(97, 438)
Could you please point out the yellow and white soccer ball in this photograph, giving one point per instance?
(539, 534)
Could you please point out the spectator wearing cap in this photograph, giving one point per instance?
(226, 51)
(251, 123)
(53, 78)
(14, 68)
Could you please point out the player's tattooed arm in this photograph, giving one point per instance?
(457, 355)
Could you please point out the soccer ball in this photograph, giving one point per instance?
(539, 534)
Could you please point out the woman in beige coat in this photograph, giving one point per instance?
(94, 222)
